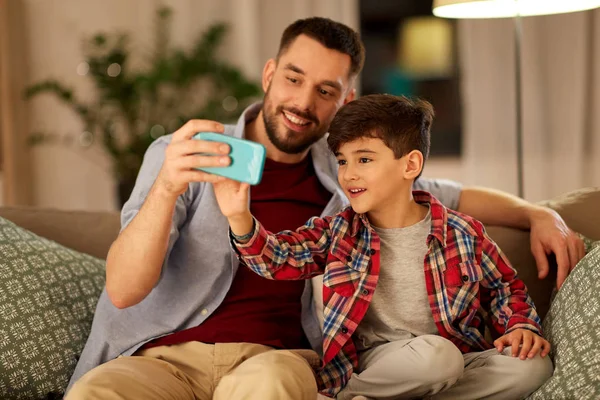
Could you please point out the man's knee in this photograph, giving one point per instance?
(271, 375)
(285, 365)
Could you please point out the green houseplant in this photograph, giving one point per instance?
(134, 107)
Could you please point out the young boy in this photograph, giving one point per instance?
(420, 334)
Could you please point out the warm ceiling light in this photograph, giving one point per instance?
(508, 8)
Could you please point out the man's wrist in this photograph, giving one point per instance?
(160, 190)
(535, 213)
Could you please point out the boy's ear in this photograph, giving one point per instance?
(414, 164)
(267, 74)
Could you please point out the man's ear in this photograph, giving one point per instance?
(267, 74)
(351, 96)
(414, 164)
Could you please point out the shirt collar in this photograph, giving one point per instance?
(249, 114)
(439, 218)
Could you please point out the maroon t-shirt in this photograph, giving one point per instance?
(258, 310)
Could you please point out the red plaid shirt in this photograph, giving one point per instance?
(464, 271)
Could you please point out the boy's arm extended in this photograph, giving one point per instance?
(504, 295)
(286, 255)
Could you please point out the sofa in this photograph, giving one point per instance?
(56, 258)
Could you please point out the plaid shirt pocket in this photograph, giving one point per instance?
(342, 279)
(467, 272)
(462, 288)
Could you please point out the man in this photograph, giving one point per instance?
(196, 324)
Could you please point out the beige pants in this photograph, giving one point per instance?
(432, 367)
(202, 371)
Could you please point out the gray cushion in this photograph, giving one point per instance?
(48, 295)
(573, 328)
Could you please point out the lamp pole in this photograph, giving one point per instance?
(519, 100)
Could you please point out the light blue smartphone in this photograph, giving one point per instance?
(247, 158)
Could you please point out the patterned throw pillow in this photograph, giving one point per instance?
(48, 295)
(573, 327)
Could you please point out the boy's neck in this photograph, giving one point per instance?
(400, 214)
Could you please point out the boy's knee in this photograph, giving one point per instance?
(528, 375)
(443, 362)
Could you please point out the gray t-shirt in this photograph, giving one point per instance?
(399, 308)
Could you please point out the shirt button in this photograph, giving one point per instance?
(348, 258)
(373, 251)
(204, 312)
(465, 278)
(365, 292)
(344, 329)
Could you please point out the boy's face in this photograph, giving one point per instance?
(304, 90)
(371, 177)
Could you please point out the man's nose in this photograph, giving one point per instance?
(305, 100)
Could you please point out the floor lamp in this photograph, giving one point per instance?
(511, 9)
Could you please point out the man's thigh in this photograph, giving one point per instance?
(183, 371)
(134, 378)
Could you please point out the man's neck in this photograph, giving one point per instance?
(257, 132)
(401, 213)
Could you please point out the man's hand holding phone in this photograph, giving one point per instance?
(184, 155)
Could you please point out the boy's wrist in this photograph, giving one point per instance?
(242, 225)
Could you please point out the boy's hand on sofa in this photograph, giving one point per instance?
(524, 343)
(550, 234)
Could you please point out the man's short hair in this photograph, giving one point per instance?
(403, 124)
(331, 34)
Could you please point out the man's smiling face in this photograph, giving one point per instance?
(305, 87)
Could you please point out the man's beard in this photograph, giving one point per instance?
(288, 141)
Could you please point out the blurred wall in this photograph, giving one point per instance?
(71, 177)
(560, 67)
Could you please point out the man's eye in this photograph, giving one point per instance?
(293, 80)
(323, 92)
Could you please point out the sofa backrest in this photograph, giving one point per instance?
(84, 231)
(580, 210)
(94, 232)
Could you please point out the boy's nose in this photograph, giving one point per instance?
(349, 174)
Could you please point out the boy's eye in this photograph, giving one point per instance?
(341, 162)
(293, 80)
(364, 160)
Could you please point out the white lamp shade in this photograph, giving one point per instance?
(508, 8)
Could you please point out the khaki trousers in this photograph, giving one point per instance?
(194, 370)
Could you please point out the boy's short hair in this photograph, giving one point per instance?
(403, 124)
(331, 34)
